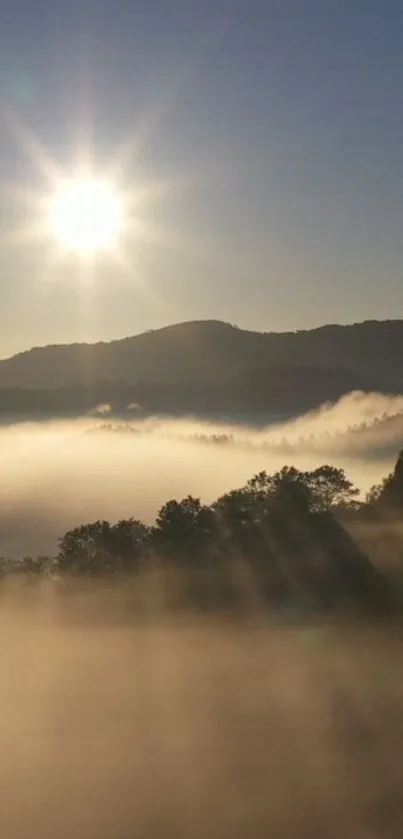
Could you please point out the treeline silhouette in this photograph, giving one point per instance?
(378, 434)
(282, 538)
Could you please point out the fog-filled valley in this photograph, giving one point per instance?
(59, 474)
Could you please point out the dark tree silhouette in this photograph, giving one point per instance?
(288, 529)
(100, 547)
(184, 530)
(388, 495)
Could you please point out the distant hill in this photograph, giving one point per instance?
(207, 367)
(275, 392)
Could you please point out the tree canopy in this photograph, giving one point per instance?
(287, 528)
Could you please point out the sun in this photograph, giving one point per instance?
(86, 215)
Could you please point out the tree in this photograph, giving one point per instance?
(389, 494)
(251, 529)
(375, 493)
(330, 488)
(35, 566)
(272, 520)
(129, 542)
(100, 547)
(317, 491)
(392, 493)
(237, 515)
(287, 489)
(85, 549)
(184, 530)
(185, 536)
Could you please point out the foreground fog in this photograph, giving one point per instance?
(203, 730)
(56, 475)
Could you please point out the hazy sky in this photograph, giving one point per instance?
(276, 129)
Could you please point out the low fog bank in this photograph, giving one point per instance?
(194, 728)
(56, 475)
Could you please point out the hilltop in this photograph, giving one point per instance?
(209, 367)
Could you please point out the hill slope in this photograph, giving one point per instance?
(278, 391)
(208, 351)
(208, 366)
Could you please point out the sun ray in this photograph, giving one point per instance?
(144, 129)
(142, 132)
(73, 221)
(31, 145)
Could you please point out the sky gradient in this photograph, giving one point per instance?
(268, 139)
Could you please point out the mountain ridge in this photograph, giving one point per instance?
(210, 365)
(326, 327)
(209, 349)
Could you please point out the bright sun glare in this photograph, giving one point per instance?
(86, 215)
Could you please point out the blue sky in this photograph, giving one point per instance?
(278, 127)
